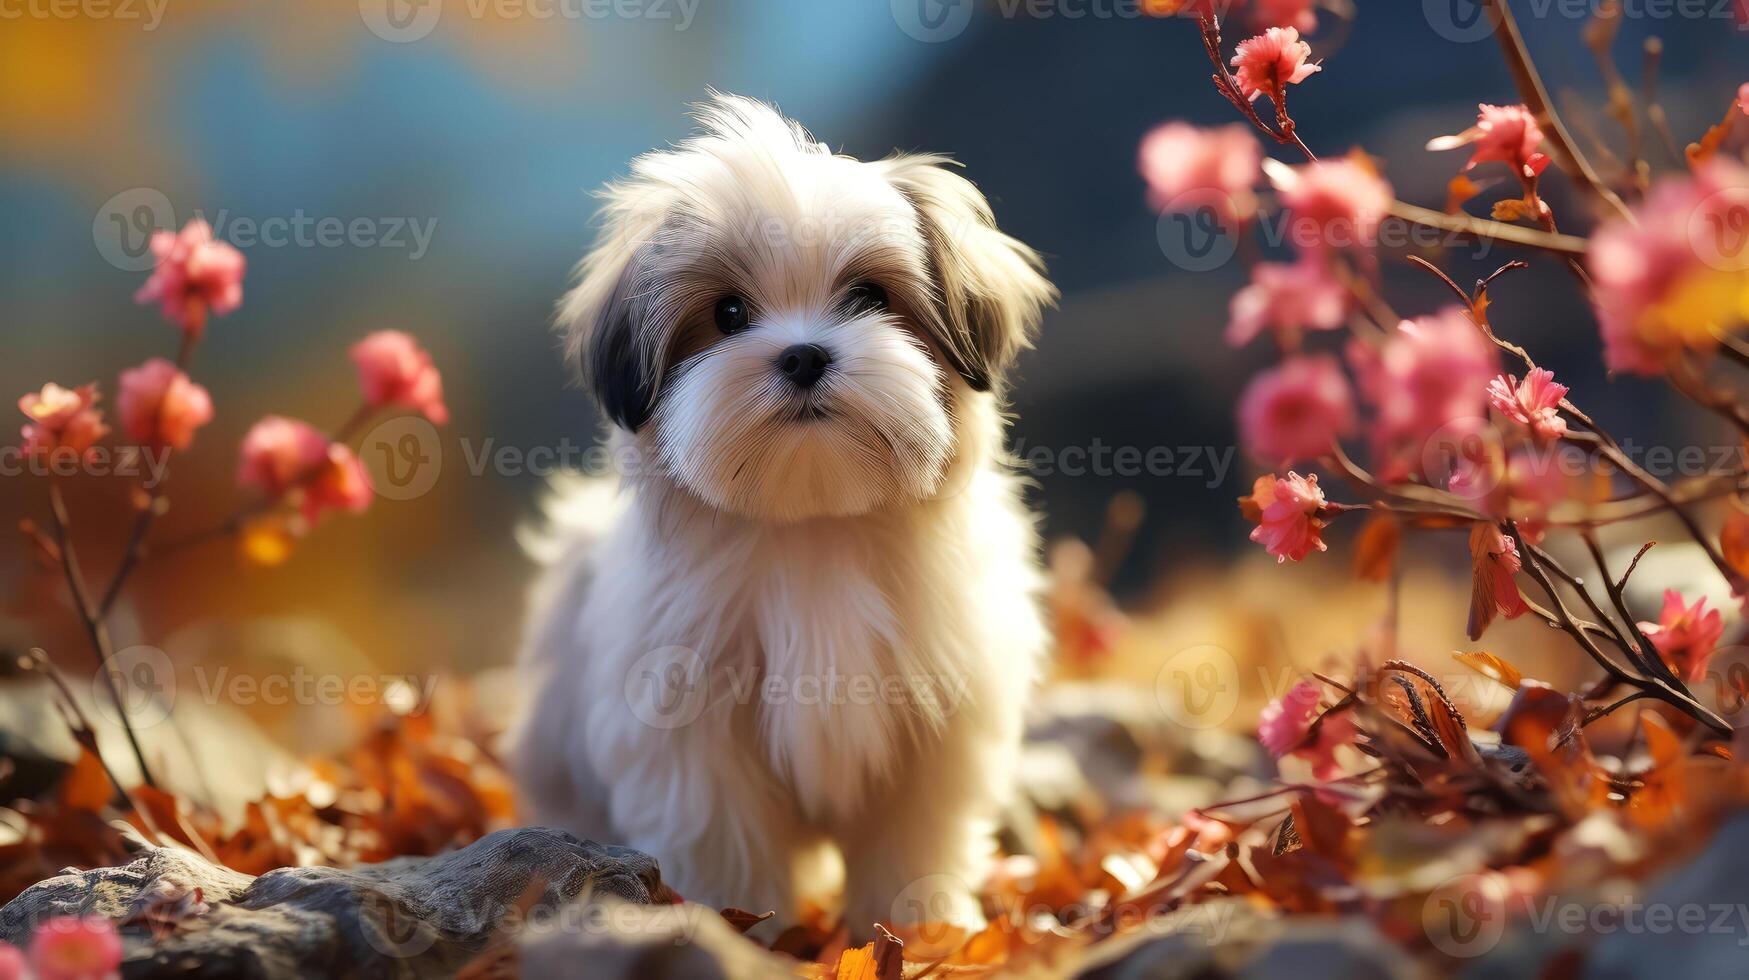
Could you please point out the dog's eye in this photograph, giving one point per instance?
(731, 314)
(866, 297)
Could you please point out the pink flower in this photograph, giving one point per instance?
(159, 406)
(1268, 63)
(280, 453)
(196, 275)
(1187, 168)
(1478, 474)
(1286, 512)
(75, 948)
(393, 370)
(341, 484)
(1743, 90)
(1285, 725)
(1301, 15)
(287, 458)
(1506, 134)
(1296, 411)
(1286, 299)
(1285, 721)
(1493, 561)
(1673, 279)
(64, 422)
(1685, 635)
(1427, 379)
(1336, 204)
(1535, 404)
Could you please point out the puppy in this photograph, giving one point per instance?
(805, 622)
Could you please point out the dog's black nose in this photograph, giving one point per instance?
(804, 363)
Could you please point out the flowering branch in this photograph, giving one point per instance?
(1536, 98)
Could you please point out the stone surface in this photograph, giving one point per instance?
(649, 942)
(403, 918)
(1694, 922)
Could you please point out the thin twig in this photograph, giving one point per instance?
(1485, 229)
(95, 630)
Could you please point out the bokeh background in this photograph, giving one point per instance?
(486, 124)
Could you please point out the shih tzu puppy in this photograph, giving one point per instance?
(796, 639)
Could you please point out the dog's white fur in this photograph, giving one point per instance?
(806, 622)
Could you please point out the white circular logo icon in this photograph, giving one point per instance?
(400, 21)
(1460, 21)
(1718, 230)
(932, 21)
(1193, 230)
(668, 687)
(1466, 916)
(1198, 687)
(403, 457)
(144, 679)
(122, 230)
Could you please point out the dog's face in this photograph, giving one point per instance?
(787, 333)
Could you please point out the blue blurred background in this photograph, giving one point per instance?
(485, 125)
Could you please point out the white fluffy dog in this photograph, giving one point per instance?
(806, 622)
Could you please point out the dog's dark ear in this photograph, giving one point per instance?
(990, 288)
(601, 317)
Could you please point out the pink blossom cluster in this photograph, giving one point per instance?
(160, 407)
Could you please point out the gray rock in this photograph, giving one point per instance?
(1695, 922)
(401, 918)
(649, 942)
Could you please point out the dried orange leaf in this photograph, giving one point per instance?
(1734, 539)
(86, 786)
(1491, 667)
(1460, 191)
(1513, 209)
(1375, 551)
